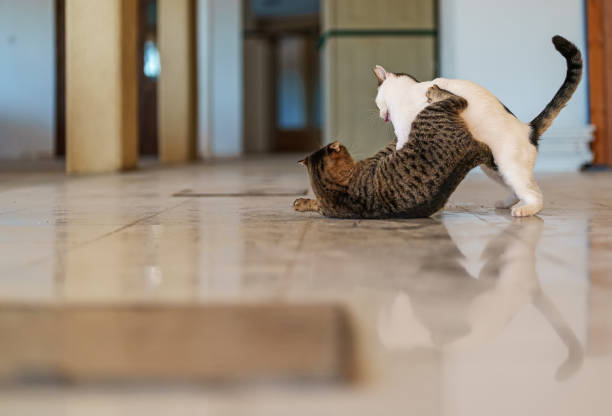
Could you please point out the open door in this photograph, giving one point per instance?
(282, 97)
(599, 27)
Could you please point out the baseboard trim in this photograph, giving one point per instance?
(565, 149)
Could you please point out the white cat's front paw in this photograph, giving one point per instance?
(526, 210)
(400, 144)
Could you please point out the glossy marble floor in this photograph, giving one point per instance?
(471, 312)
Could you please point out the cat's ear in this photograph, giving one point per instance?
(381, 74)
(335, 146)
(302, 162)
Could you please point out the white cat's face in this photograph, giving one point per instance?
(381, 103)
(388, 87)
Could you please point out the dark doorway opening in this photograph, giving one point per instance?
(148, 70)
(60, 78)
(282, 77)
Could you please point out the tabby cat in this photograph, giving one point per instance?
(415, 181)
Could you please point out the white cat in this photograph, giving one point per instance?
(514, 144)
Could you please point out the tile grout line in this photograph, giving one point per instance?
(59, 278)
(125, 227)
(300, 245)
(59, 254)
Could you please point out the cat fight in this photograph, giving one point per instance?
(444, 128)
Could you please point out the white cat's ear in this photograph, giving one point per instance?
(335, 146)
(381, 74)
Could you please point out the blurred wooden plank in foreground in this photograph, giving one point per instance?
(174, 343)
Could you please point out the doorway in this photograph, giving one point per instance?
(148, 73)
(60, 78)
(281, 76)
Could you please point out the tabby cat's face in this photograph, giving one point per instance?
(332, 162)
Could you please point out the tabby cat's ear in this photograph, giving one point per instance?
(381, 74)
(302, 162)
(335, 146)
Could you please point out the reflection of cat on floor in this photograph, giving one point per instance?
(445, 307)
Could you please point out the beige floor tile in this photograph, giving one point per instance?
(470, 312)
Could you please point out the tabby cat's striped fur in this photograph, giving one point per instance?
(415, 181)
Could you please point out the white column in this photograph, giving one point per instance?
(220, 99)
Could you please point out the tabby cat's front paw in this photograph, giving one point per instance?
(433, 94)
(305, 204)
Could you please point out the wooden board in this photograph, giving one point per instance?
(174, 343)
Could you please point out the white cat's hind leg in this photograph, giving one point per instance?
(531, 203)
(511, 199)
(518, 174)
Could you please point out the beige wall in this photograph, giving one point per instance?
(379, 14)
(177, 91)
(101, 85)
(350, 86)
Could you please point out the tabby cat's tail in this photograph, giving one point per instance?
(574, 72)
